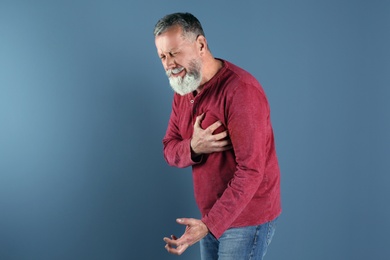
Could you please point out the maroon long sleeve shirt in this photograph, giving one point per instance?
(239, 187)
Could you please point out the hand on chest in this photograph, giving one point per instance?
(209, 119)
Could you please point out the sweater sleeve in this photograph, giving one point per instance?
(177, 150)
(248, 124)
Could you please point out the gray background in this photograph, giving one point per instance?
(84, 104)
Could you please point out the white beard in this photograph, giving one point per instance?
(189, 83)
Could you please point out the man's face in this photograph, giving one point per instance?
(180, 59)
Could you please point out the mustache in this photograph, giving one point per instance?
(174, 71)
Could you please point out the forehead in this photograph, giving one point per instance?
(170, 39)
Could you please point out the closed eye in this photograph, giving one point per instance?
(170, 54)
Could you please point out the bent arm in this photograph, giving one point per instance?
(177, 150)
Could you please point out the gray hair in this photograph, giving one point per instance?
(189, 24)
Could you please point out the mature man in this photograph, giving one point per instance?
(220, 125)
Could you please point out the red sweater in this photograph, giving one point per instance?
(238, 187)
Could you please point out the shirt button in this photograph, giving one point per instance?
(192, 101)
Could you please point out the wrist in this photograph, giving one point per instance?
(194, 153)
(195, 157)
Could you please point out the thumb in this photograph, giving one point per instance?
(183, 221)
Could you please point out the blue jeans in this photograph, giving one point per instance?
(239, 243)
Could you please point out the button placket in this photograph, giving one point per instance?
(194, 106)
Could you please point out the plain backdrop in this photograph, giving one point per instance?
(84, 104)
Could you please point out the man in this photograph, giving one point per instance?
(220, 125)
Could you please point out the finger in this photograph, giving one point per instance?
(223, 148)
(168, 240)
(214, 126)
(172, 242)
(176, 246)
(220, 136)
(178, 250)
(198, 120)
(169, 248)
(224, 144)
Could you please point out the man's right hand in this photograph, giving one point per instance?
(204, 142)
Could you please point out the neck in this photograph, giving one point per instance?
(210, 68)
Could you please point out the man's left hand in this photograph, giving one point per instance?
(195, 231)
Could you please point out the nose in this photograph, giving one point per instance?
(169, 63)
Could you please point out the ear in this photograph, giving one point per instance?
(201, 43)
